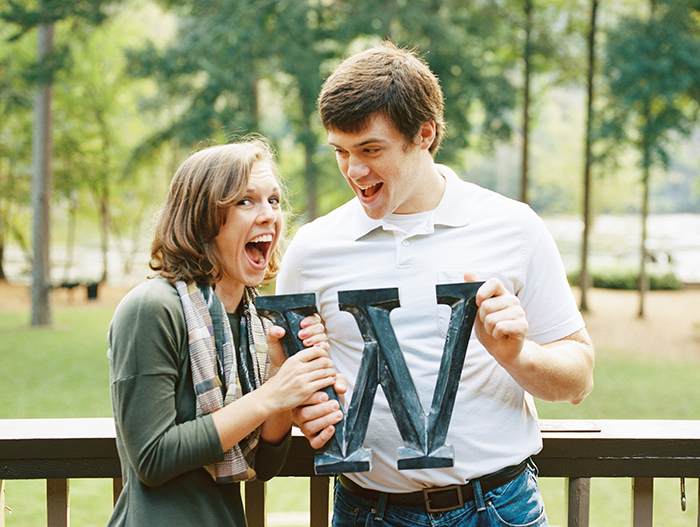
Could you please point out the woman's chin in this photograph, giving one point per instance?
(255, 278)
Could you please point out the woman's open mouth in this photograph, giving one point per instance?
(258, 249)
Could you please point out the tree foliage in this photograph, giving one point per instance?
(224, 50)
(653, 72)
(15, 145)
(93, 133)
(133, 97)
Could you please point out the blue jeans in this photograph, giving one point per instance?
(517, 503)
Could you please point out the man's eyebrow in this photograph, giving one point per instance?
(363, 143)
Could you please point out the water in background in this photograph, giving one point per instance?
(673, 240)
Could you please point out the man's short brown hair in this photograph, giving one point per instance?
(383, 80)
(203, 188)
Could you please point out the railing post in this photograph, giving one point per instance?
(319, 501)
(642, 502)
(117, 486)
(2, 503)
(255, 503)
(578, 503)
(57, 503)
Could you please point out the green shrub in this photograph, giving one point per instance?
(628, 279)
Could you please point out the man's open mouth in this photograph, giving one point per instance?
(258, 248)
(371, 190)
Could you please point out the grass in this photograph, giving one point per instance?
(60, 371)
(63, 372)
(629, 389)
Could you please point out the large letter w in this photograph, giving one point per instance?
(383, 363)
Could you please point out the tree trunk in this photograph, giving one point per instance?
(646, 159)
(526, 102)
(2, 259)
(4, 219)
(584, 279)
(42, 146)
(104, 219)
(643, 278)
(70, 235)
(309, 141)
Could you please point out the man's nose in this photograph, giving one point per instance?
(356, 167)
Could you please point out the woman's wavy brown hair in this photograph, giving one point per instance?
(201, 191)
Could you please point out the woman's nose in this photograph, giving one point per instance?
(267, 213)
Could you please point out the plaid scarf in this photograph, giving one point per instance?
(208, 327)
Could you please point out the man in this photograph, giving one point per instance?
(414, 224)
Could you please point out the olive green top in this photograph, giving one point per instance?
(162, 445)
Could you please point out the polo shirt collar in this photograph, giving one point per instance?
(452, 211)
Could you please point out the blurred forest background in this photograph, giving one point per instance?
(585, 109)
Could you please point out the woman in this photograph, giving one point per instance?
(185, 434)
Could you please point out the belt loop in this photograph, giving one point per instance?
(531, 464)
(381, 505)
(478, 496)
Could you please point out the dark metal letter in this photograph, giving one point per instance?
(383, 363)
(288, 311)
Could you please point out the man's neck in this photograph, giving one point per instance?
(433, 183)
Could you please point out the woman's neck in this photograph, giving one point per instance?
(230, 294)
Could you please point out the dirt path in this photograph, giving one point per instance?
(18, 297)
(671, 327)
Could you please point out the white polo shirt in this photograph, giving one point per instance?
(494, 423)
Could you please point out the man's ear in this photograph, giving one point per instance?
(426, 134)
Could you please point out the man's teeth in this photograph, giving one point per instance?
(369, 190)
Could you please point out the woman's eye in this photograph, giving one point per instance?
(245, 201)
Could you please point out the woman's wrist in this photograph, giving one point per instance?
(274, 369)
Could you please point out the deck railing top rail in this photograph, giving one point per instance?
(84, 448)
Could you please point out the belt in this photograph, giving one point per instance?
(438, 499)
